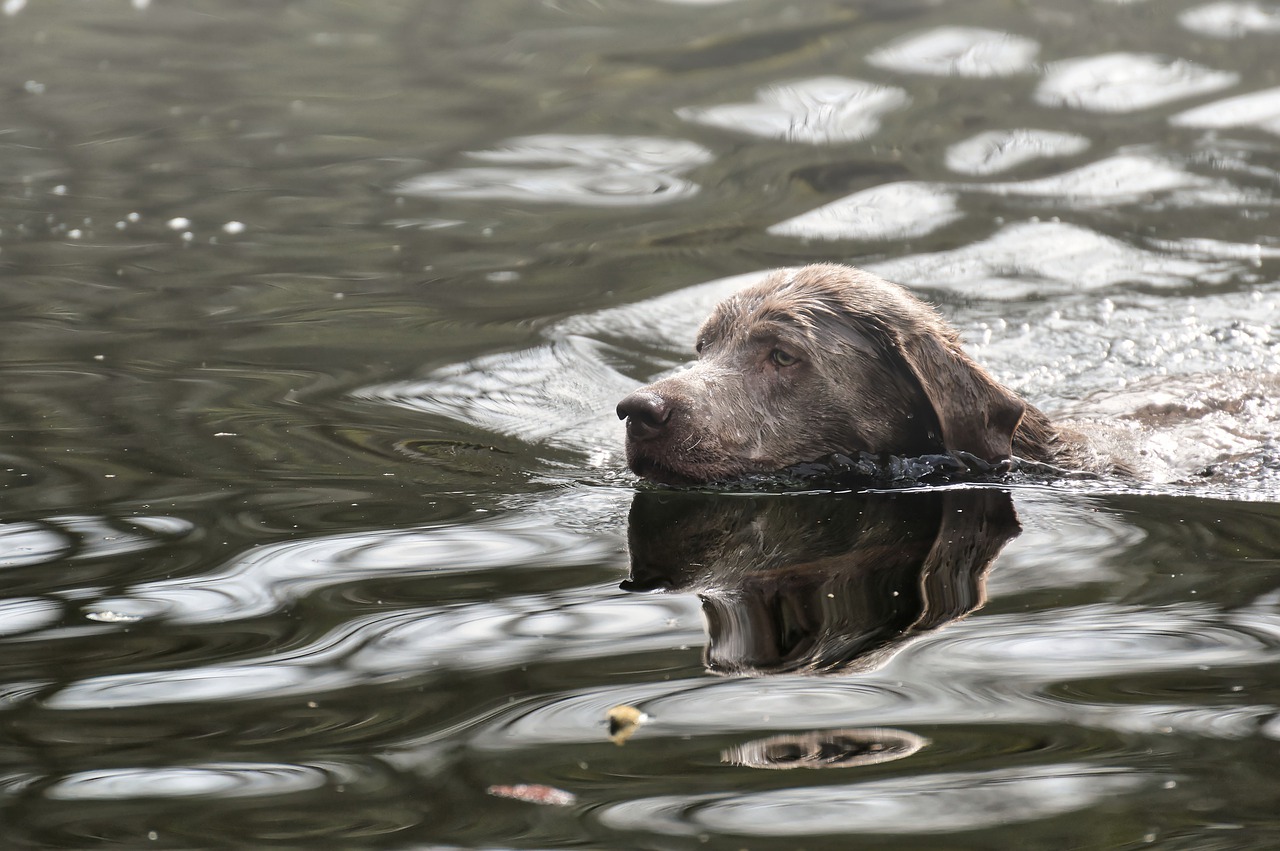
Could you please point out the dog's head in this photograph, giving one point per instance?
(814, 361)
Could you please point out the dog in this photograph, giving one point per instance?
(832, 360)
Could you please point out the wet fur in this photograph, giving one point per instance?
(874, 370)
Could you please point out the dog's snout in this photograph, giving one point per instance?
(645, 411)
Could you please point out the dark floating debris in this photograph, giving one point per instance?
(826, 749)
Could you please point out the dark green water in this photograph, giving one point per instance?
(314, 530)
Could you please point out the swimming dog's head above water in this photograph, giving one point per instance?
(814, 361)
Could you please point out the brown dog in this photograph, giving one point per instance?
(821, 360)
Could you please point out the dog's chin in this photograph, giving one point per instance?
(663, 473)
(659, 473)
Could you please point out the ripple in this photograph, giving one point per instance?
(817, 111)
(196, 685)
(1207, 722)
(1127, 82)
(24, 614)
(211, 780)
(1231, 19)
(1257, 109)
(751, 704)
(1126, 178)
(889, 211)
(921, 804)
(85, 537)
(588, 187)
(1064, 544)
(495, 635)
(1187, 349)
(1098, 640)
(669, 321)
(269, 577)
(595, 171)
(1001, 150)
(1042, 257)
(518, 630)
(23, 544)
(561, 393)
(572, 718)
(1216, 249)
(698, 706)
(959, 52)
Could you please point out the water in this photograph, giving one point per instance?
(314, 530)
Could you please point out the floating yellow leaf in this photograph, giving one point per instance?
(623, 721)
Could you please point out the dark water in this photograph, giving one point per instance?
(315, 531)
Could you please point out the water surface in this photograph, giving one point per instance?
(314, 529)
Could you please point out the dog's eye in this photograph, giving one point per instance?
(781, 358)
(698, 348)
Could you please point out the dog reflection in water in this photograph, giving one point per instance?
(819, 585)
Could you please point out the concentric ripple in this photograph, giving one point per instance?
(1100, 640)
(216, 780)
(593, 171)
(924, 803)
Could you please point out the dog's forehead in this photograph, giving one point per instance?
(779, 301)
(832, 305)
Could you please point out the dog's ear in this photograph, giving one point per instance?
(976, 414)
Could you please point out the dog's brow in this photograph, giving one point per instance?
(763, 329)
(715, 327)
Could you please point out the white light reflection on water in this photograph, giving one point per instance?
(1029, 258)
(1256, 109)
(561, 393)
(817, 111)
(1127, 82)
(83, 537)
(479, 636)
(911, 209)
(30, 543)
(1001, 150)
(593, 171)
(1100, 640)
(24, 614)
(1232, 19)
(1129, 177)
(927, 803)
(212, 780)
(269, 577)
(887, 211)
(959, 52)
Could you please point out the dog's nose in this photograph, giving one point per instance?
(646, 413)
